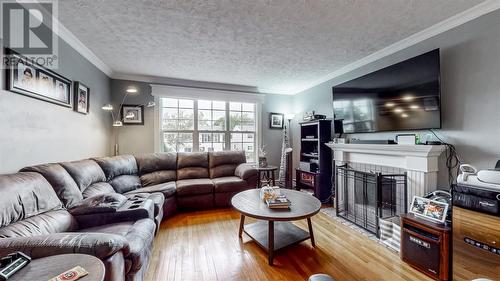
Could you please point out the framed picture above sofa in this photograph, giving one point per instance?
(82, 98)
(38, 82)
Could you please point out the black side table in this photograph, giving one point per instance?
(266, 175)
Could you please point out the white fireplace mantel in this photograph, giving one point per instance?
(422, 158)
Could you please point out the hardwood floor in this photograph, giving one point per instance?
(205, 246)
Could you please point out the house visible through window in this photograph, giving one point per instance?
(205, 125)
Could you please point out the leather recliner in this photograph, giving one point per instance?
(34, 221)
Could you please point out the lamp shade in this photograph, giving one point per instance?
(107, 107)
(117, 123)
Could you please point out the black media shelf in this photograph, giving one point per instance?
(315, 172)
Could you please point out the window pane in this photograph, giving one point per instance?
(247, 117)
(218, 147)
(170, 113)
(237, 146)
(248, 138)
(235, 121)
(204, 125)
(204, 104)
(248, 127)
(219, 118)
(186, 138)
(236, 137)
(248, 146)
(185, 125)
(169, 142)
(186, 113)
(169, 124)
(248, 107)
(204, 115)
(169, 102)
(219, 105)
(235, 106)
(186, 103)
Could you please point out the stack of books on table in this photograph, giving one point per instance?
(280, 202)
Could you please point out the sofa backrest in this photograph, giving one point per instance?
(224, 163)
(88, 176)
(29, 206)
(156, 168)
(121, 172)
(63, 184)
(192, 165)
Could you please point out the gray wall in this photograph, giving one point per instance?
(272, 138)
(134, 139)
(35, 131)
(470, 65)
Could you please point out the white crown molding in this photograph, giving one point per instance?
(76, 44)
(441, 27)
(197, 93)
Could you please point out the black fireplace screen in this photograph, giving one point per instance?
(364, 197)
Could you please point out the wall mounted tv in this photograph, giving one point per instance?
(403, 96)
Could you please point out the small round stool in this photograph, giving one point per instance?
(320, 277)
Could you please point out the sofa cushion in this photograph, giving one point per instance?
(192, 165)
(117, 166)
(167, 189)
(25, 195)
(194, 186)
(229, 184)
(125, 183)
(84, 172)
(43, 224)
(97, 189)
(61, 181)
(153, 162)
(158, 177)
(224, 163)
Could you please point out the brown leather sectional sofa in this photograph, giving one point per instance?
(111, 207)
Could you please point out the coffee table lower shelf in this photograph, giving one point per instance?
(283, 234)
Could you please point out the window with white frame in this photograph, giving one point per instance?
(207, 125)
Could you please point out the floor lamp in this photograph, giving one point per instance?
(118, 119)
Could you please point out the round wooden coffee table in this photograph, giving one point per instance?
(278, 232)
(52, 266)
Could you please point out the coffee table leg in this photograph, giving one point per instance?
(271, 243)
(311, 234)
(242, 223)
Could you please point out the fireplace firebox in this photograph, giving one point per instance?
(365, 197)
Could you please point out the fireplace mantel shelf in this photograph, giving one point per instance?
(422, 158)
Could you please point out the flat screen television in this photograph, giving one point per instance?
(403, 96)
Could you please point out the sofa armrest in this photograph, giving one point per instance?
(100, 245)
(245, 171)
(133, 209)
(103, 203)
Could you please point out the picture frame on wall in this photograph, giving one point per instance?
(276, 120)
(35, 81)
(132, 114)
(81, 98)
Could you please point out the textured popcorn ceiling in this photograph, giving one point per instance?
(278, 45)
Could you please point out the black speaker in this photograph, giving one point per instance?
(338, 127)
